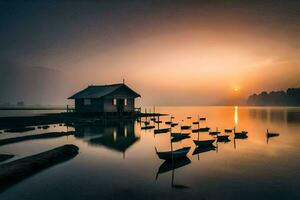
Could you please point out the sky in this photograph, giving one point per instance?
(209, 52)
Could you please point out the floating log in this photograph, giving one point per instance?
(32, 137)
(15, 171)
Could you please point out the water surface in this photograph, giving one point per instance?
(118, 160)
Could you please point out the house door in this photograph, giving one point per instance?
(120, 105)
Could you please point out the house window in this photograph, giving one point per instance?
(114, 102)
(125, 102)
(87, 102)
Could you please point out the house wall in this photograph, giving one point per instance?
(95, 106)
(109, 107)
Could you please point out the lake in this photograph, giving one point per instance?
(119, 161)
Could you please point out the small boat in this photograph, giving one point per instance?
(195, 122)
(204, 143)
(168, 122)
(200, 130)
(147, 127)
(185, 127)
(163, 130)
(189, 117)
(205, 129)
(177, 139)
(173, 155)
(228, 130)
(242, 134)
(174, 124)
(202, 118)
(223, 138)
(214, 132)
(146, 123)
(158, 122)
(179, 134)
(270, 134)
(153, 119)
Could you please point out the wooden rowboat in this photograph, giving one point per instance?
(173, 155)
(147, 127)
(185, 127)
(163, 130)
(204, 143)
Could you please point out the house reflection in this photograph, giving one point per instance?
(115, 135)
(284, 115)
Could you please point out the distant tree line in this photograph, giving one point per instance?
(290, 97)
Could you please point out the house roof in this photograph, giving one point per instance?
(98, 91)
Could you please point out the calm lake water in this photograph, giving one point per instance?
(118, 161)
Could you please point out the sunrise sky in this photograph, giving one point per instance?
(172, 52)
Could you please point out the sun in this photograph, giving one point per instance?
(236, 89)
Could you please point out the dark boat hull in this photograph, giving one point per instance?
(147, 127)
(185, 127)
(174, 155)
(214, 133)
(204, 143)
(164, 130)
(223, 138)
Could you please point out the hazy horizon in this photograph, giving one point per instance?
(171, 52)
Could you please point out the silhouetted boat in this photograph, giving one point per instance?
(189, 117)
(200, 130)
(228, 130)
(241, 135)
(204, 149)
(202, 118)
(205, 129)
(163, 130)
(148, 127)
(195, 122)
(178, 139)
(270, 134)
(214, 132)
(195, 130)
(179, 134)
(223, 138)
(146, 123)
(185, 127)
(173, 155)
(153, 119)
(168, 122)
(158, 122)
(204, 143)
(174, 124)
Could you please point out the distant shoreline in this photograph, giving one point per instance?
(33, 108)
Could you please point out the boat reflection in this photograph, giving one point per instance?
(204, 149)
(171, 165)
